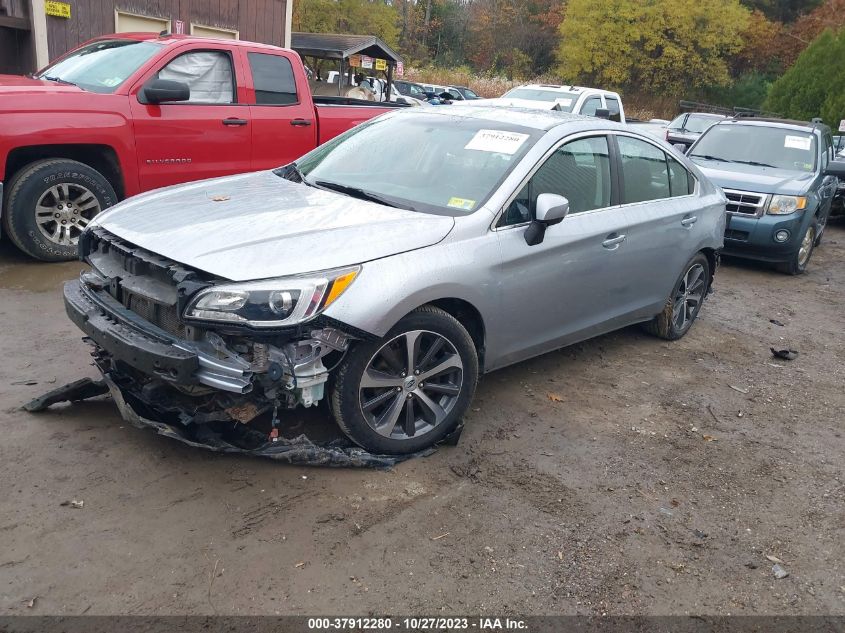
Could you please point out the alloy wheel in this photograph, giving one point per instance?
(411, 384)
(806, 246)
(688, 297)
(63, 211)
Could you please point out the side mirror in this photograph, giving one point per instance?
(835, 168)
(680, 147)
(602, 113)
(164, 90)
(550, 209)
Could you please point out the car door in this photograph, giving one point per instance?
(283, 120)
(829, 183)
(204, 137)
(563, 289)
(659, 202)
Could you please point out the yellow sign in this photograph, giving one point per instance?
(58, 9)
(381, 64)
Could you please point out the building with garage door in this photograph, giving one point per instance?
(34, 32)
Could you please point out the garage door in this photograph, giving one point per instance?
(211, 31)
(129, 22)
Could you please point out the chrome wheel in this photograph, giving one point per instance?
(806, 246)
(688, 297)
(411, 384)
(63, 211)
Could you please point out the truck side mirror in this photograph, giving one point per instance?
(163, 91)
(549, 209)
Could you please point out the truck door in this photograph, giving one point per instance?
(204, 137)
(282, 112)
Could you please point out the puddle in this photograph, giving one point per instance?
(18, 272)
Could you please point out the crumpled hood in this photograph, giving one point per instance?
(757, 179)
(259, 225)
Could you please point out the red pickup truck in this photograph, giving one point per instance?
(131, 112)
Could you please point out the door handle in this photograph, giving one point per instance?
(234, 121)
(613, 241)
(689, 221)
(300, 122)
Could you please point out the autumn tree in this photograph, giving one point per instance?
(358, 17)
(665, 46)
(815, 85)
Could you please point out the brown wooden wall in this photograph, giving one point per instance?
(256, 20)
(16, 55)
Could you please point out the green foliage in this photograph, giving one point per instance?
(748, 91)
(359, 17)
(815, 85)
(670, 46)
(782, 10)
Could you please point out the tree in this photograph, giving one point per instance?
(815, 85)
(782, 10)
(667, 46)
(359, 17)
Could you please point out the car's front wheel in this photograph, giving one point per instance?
(408, 390)
(798, 264)
(684, 304)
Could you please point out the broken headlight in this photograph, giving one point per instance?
(272, 302)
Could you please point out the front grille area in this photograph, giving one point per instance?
(745, 202)
(143, 282)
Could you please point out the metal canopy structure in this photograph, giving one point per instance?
(341, 48)
(337, 46)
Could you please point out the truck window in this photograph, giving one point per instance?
(613, 107)
(208, 74)
(590, 106)
(273, 78)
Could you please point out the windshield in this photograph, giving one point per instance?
(565, 99)
(445, 165)
(698, 124)
(758, 145)
(101, 66)
(469, 94)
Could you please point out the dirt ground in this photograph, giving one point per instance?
(625, 475)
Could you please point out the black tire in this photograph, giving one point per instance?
(801, 258)
(666, 325)
(347, 391)
(33, 184)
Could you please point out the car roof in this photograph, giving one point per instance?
(567, 89)
(787, 124)
(544, 120)
(707, 115)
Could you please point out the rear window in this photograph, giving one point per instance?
(273, 78)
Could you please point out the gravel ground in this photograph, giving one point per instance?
(624, 475)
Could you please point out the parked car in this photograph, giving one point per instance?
(388, 285)
(410, 89)
(652, 127)
(779, 177)
(132, 112)
(444, 93)
(575, 99)
(685, 129)
(466, 93)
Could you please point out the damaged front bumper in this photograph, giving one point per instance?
(149, 349)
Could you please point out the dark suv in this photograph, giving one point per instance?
(687, 127)
(779, 178)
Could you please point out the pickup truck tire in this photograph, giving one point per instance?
(389, 403)
(49, 203)
(684, 303)
(798, 264)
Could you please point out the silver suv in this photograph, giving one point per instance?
(387, 276)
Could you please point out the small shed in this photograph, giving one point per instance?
(353, 53)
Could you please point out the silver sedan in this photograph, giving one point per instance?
(389, 268)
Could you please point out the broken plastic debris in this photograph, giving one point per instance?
(74, 503)
(785, 354)
(779, 572)
(776, 322)
(555, 398)
(773, 559)
(739, 389)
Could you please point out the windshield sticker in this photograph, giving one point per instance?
(798, 142)
(497, 141)
(461, 203)
(564, 102)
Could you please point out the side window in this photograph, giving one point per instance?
(578, 170)
(681, 182)
(644, 171)
(208, 74)
(827, 150)
(272, 76)
(613, 107)
(590, 106)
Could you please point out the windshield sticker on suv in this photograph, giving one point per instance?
(497, 141)
(461, 203)
(798, 142)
